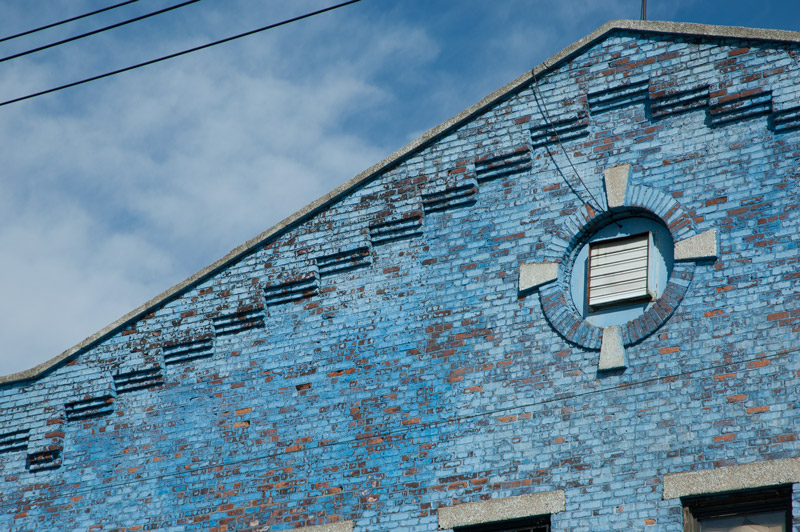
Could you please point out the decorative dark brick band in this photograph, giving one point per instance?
(291, 290)
(243, 320)
(501, 166)
(722, 111)
(141, 379)
(679, 102)
(179, 353)
(89, 407)
(46, 447)
(560, 131)
(43, 460)
(387, 231)
(14, 441)
(455, 197)
(631, 93)
(742, 106)
(344, 261)
(786, 120)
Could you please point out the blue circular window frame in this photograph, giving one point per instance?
(622, 223)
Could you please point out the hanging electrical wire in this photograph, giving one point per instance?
(548, 122)
(177, 54)
(66, 21)
(100, 30)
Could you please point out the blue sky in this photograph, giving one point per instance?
(114, 191)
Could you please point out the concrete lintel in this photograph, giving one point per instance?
(746, 476)
(473, 513)
(702, 246)
(339, 526)
(536, 274)
(612, 352)
(616, 179)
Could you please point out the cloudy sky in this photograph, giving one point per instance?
(113, 191)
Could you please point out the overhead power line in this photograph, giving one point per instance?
(537, 95)
(177, 54)
(99, 30)
(65, 21)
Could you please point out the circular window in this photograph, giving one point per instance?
(620, 270)
(616, 268)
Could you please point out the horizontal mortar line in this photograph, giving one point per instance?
(523, 163)
(188, 347)
(546, 131)
(506, 163)
(267, 457)
(289, 287)
(409, 228)
(413, 220)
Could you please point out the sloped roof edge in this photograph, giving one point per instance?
(672, 28)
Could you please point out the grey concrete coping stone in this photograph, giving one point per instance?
(489, 511)
(532, 275)
(738, 477)
(702, 246)
(616, 179)
(644, 26)
(612, 352)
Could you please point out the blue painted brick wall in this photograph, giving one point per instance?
(410, 374)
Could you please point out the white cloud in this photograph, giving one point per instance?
(116, 192)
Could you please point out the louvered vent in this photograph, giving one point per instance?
(188, 351)
(89, 408)
(385, 232)
(741, 107)
(239, 322)
(14, 441)
(560, 131)
(343, 261)
(294, 290)
(450, 198)
(619, 271)
(679, 102)
(615, 98)
(502, 166)
(138, 380)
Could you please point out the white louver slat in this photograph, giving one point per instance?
(619, 270)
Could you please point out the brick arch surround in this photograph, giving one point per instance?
(555, 299)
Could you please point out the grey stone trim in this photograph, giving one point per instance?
(536, 274)
(340, 526)
(746, 476)
(644, 26)
(473, 513)
(702, 246)
(612, 352)
(616, 179)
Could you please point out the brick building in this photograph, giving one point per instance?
(575, 305)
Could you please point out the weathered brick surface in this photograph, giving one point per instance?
(406, 374)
